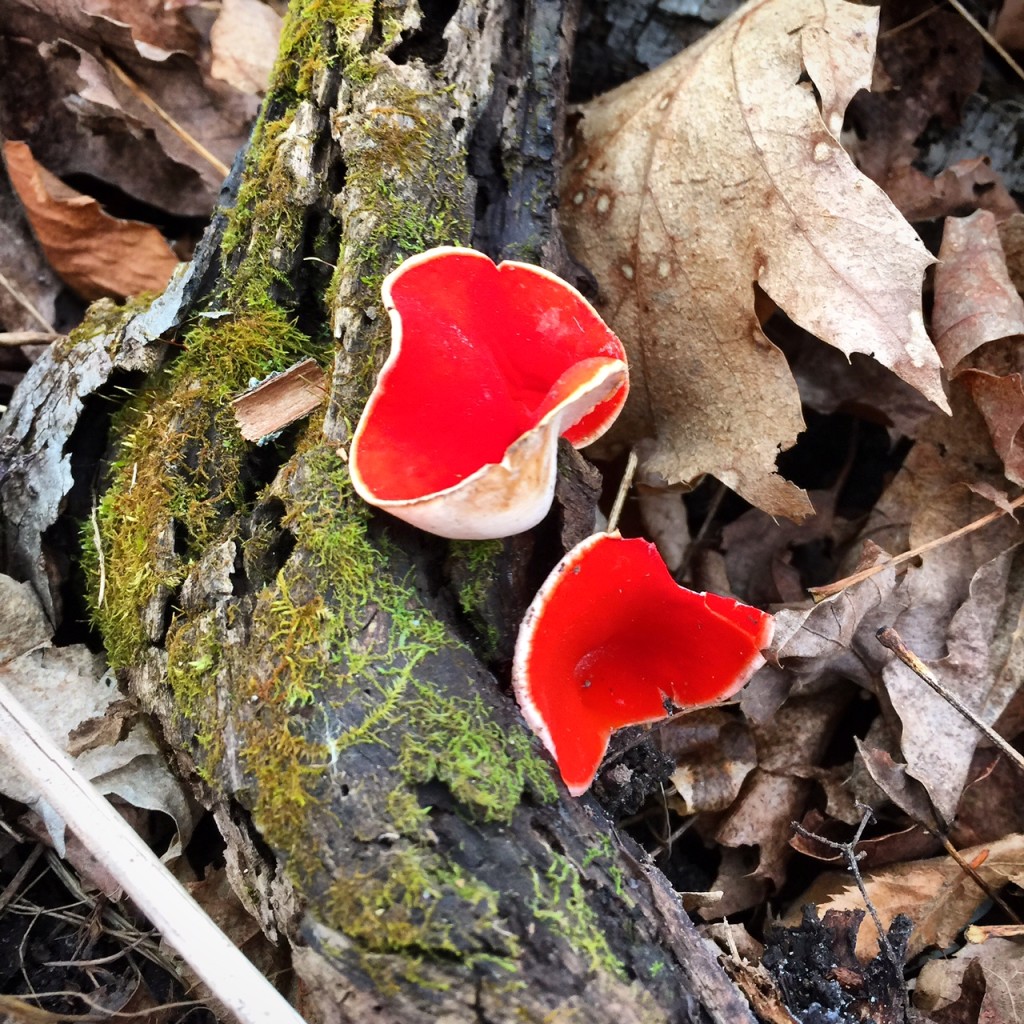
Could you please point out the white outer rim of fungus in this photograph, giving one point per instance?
(450, 512)
(524, 649)
(521, 683)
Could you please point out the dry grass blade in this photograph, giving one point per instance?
(620, 498)
(888, 637)
(218, 165)
(831, 589)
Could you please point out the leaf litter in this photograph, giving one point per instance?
(672, 200)
(744, 211)
(716, 173)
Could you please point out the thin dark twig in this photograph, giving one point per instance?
(849, 853)
(888, 637)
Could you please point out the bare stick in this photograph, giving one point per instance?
(620, 497)
(987, 36)
(849, 852)
(14, 339)
(969, 869)
(218, 165)
(158, 894)
(888, 637)
(19, 296)
(830, 589)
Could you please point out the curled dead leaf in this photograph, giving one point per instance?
(978, 321)
(717, 174)
(94, 254)
(936, 893)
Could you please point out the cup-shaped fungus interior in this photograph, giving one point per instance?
(480, 354)
(611, 640)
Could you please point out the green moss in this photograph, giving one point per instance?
(408, 186)
(407, 814)
(560, 901)
(172, 486)
(315, 622)
(315, 617)
(304, 52)
(106, 317)
(486, 768)
(194, 658)
(420, 904)
(285, 767)
(604, 852)
(476, 562)
(266, 217)
(416, 911)
(323, 680)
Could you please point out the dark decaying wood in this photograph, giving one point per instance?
(383, 807)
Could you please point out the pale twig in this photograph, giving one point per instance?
(849, 853)
(831, 589)
(247, 994)
(218, 165)
(13, 339)
(19, 296)
(971, 871)
(987, 36)
(620, 498)
(888, 637)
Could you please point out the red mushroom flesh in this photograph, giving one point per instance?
(481, 355)
(611, 640)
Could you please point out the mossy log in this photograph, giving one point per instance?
(320, 673)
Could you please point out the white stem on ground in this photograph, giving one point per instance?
(242, 989)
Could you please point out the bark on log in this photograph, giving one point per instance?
(313, 667)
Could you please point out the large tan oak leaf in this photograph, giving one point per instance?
(717, 171)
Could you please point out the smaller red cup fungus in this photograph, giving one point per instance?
(612, 640)
(489, 366)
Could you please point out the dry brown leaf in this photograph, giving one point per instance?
(928, 66)
(984, 668)
(23, 623)
(714, 173)
(975, 301)
(835, 637)
(789, 749)
(893, 847)
(992, 805)
(936, 894)
(714, 752)
(92, 252)
(1000, 400)
(1009, 26)
(216, 896)
(66, 687)
(60, 94)
(243, 42)
(978, 321)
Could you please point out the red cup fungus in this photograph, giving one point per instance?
(612, 640)
(489, 366)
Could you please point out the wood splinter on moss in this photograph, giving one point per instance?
(280, 400)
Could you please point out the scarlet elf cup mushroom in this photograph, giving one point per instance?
(612, 640)
(489, 366)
